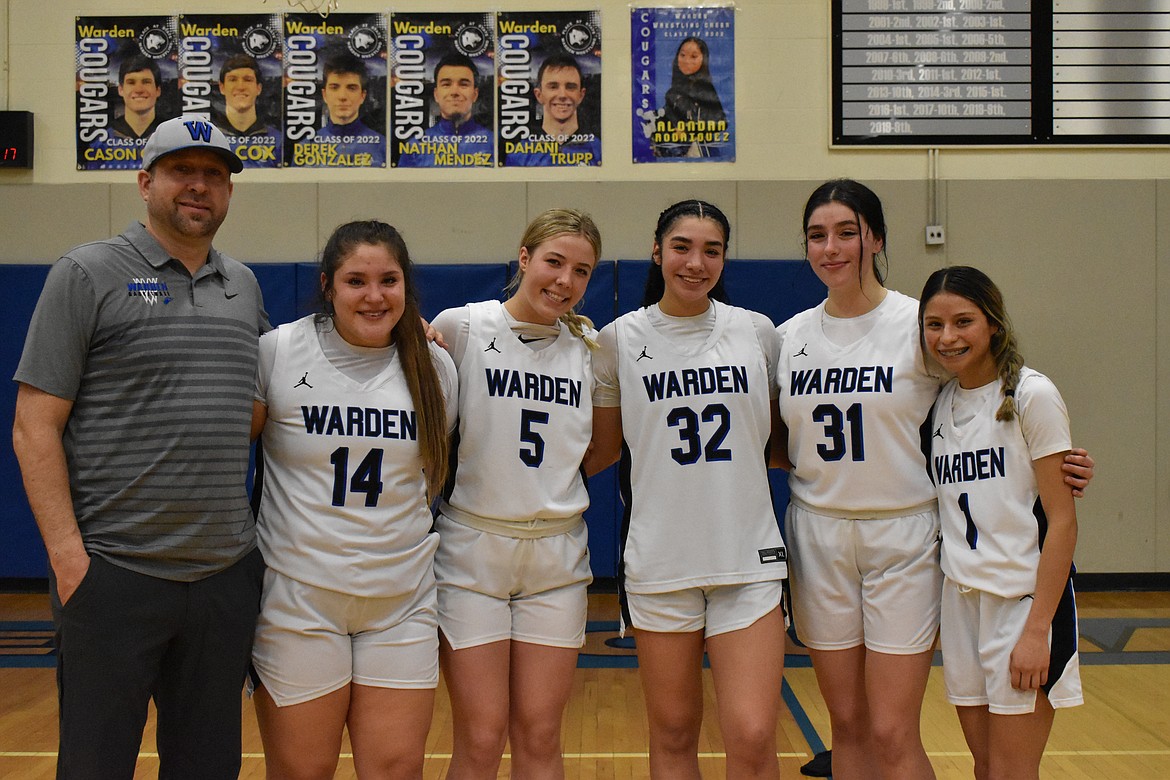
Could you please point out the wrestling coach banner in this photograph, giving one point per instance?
(683, 84)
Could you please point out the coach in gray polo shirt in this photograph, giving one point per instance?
(131, 430)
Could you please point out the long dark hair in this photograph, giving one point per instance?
(700, 209)
(864, 203)
(680, 79)
(413, 352)
(974, 285)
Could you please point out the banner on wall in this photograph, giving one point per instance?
(443, 101)
(126, 83)
(230, 74)
(683, 84)
(549, 83)
(335, 72)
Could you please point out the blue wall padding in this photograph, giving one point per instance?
(778, 288)
(447, 286)
(21, 552)
(278, 282)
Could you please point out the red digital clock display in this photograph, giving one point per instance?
(16, 139)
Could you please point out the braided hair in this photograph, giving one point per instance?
(547, 226)
(977, 287)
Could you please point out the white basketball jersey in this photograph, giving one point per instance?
(854, 413)
(992, 521)
(344, 502)
(525, 421)
(695, 419)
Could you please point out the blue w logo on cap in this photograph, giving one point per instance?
(200, 131)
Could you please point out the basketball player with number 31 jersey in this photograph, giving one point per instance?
(854, 394)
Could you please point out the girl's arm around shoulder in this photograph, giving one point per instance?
(1045, 418)
(606, 445)
(607, 389)
(768, 337)
(259, 417)
(1078, 470)
(453, 325)
(265, 363)
(778, 442)
(449, 381)
(772, 342)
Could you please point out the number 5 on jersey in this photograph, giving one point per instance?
(533, 456)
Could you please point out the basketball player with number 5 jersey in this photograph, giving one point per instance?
(513, 558)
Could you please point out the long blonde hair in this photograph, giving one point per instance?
(547, 226)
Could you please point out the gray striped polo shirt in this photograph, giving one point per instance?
(160, 367)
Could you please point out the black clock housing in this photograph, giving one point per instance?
(16, 139)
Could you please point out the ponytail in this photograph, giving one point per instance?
(547, 226)
(422, 378)
(1009, 362)
(578, 324)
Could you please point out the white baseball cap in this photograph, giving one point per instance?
(189, 132)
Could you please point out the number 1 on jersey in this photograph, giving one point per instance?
(972, 531)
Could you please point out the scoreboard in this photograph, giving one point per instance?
(986, 72)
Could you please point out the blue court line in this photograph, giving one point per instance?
(815, 744)
(47, 661)
(26, 625)
(1113, 634)
(27, 644)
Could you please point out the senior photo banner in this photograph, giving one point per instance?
(230, 74)
(683, 84)
(443, 101)
(335, 91)
(127, 84)
(549, 81)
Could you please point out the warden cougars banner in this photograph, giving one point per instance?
(335, 91)
(548, 74)
(230, 75)
(443, 97)
(683, 84)
(127, 75)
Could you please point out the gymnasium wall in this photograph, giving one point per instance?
(1076, 237)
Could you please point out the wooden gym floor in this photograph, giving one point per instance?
(1123, 731)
